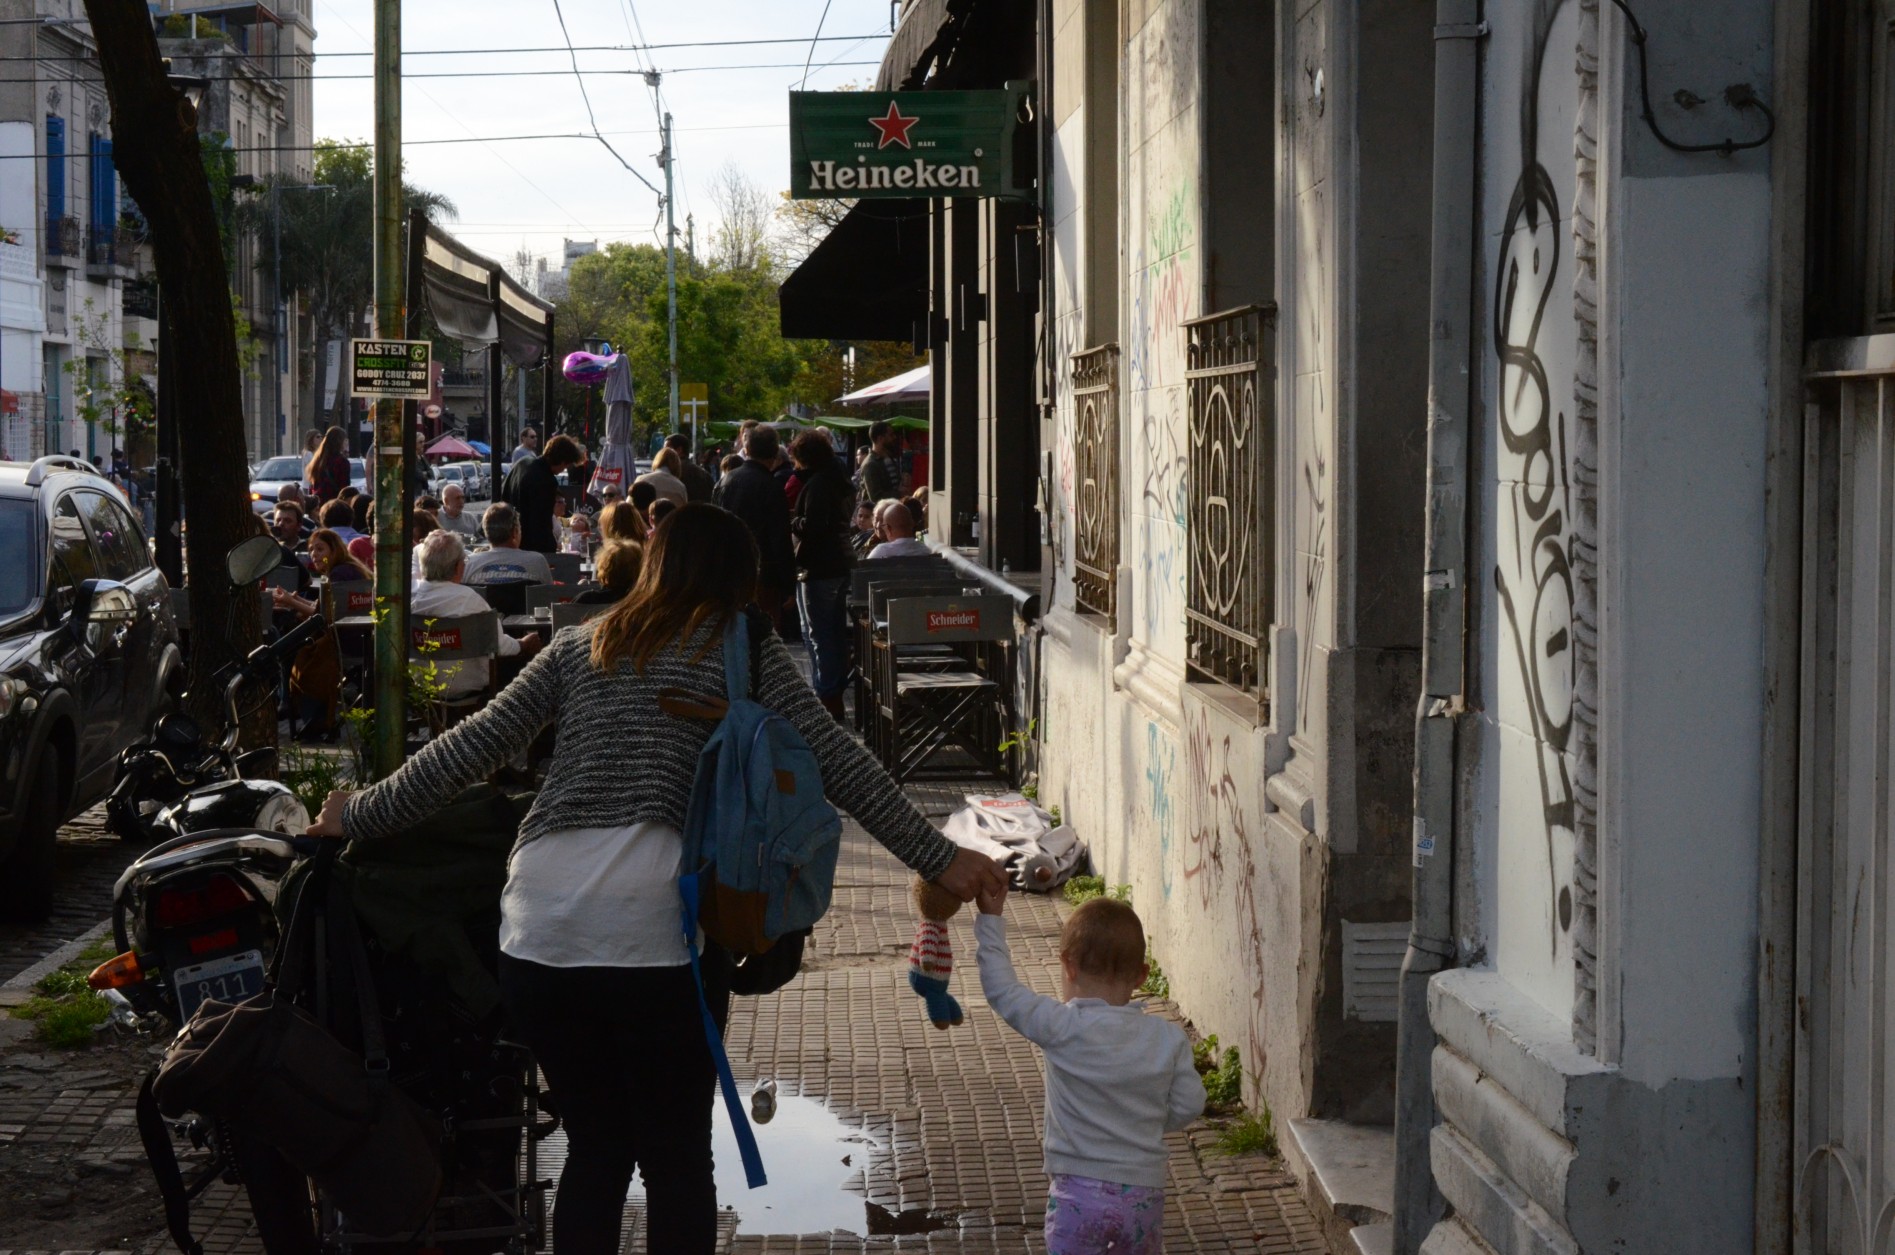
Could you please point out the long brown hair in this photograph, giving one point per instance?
(622, 521)
(339, 554)
(331, 446)
(700, 568)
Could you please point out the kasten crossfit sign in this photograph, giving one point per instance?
(871, 145)
(401, 370)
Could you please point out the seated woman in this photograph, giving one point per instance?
(579, 537)
(316, 672)
(620, 520)
(619, 564)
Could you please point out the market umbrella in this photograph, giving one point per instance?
(452, 447)
(618, 463)
(910, 385)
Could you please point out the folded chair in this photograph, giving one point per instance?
(470, 641)
(928, 710)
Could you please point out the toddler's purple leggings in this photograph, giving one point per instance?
(1088, 1217)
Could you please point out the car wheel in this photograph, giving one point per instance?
(26, 878)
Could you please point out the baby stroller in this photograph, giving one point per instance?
(392, 947)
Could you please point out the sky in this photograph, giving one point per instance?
(537, 193)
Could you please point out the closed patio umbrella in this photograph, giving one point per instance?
(617, 460)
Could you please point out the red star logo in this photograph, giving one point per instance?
(893, 126)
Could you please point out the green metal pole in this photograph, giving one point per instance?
(671, 289)
(391, 590)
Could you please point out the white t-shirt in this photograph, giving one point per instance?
(462, 524)
(507, 566)
(596, 897)
(903, 547)
(448, 600)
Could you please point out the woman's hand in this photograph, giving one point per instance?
(329, 823)
(967, 877)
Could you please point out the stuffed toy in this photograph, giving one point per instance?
(931, 958)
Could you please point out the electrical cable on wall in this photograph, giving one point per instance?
(1737, 96)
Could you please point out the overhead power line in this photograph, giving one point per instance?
(512, 52)
(585, 96)
(341, 78)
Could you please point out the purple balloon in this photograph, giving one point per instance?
(588, 368)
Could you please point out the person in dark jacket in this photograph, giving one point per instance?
(752, 494)
(823, 557)
(697, 481)
(532, 488)
(881, 474)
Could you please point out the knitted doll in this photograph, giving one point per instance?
(931, 958)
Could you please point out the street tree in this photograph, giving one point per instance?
(327, 244)
(741, 239)
(156, 148)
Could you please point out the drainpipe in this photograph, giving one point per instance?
(1457, 33)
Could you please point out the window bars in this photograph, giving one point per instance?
(1095, 503)
(1230, 497)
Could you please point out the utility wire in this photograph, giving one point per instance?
(812, 43)
(585, 96)
(343, 78)
(506, 52)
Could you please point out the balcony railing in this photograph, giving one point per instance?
(1095, 504)
(64, 237)
(101, 250)
(1229, 496)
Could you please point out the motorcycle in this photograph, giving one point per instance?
(177, 781)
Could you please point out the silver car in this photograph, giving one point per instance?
(272, 473)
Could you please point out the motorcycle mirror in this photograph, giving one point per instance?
(252, 559)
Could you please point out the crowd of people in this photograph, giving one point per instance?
(595, 974)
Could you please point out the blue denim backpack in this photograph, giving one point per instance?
(760, 842)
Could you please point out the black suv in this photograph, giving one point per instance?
(87, 648)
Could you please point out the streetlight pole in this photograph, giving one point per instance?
(671, 285)
(279, 315)
(391, 440)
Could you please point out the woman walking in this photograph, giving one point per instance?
(594, 969)
(328, 468)
(820, 525)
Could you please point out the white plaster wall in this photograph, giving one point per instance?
(1163, 282)
(1686, 621)
(1169, 800)
(1524, 788)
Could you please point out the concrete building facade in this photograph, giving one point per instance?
(77, 283)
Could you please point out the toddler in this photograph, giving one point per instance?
(1117, 1080)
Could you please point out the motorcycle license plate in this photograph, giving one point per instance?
(229, 979)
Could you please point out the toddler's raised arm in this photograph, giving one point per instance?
(1041, 1020)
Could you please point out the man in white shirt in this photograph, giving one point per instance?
(893, 521)
(441, 561)
(454, 516)
(506, 562)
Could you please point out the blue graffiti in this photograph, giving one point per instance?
(1161, 765)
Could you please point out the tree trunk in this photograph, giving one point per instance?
(155, 146)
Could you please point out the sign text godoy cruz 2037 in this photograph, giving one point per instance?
(401, 370)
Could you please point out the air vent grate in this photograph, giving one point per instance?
(1371, 970)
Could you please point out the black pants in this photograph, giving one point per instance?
(623, 1052)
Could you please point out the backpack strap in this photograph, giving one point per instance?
(164, 1168)
(737, 657)
(688, 890)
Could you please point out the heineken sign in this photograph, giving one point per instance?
(868, 145)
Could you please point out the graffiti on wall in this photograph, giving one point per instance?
(1546, 417)
(1161, 774)
(1220, 816)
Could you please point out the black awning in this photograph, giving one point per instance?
(911, 49)
(867, 280)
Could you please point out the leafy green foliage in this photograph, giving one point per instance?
(64, 1010)
(1253, 1133)
(1157, 984)
(1223, 1075)
(1083, 889)
(312, 775)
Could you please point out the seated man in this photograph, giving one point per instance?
(893, 521)
(292, 495)
(454, 516)
(506, 562)
(441, 563)
(339, 516)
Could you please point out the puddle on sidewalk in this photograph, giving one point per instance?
(809, 1156)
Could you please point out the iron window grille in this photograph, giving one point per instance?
(1230, 496)
(1096, 479)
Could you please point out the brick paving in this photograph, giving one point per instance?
(87, 864)
(949, 1122)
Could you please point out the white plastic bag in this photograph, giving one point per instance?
(1011, 829)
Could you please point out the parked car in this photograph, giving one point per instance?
(467, 474)
(272, 473)
(88, 651)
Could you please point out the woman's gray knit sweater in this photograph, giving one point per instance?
(621, 760)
